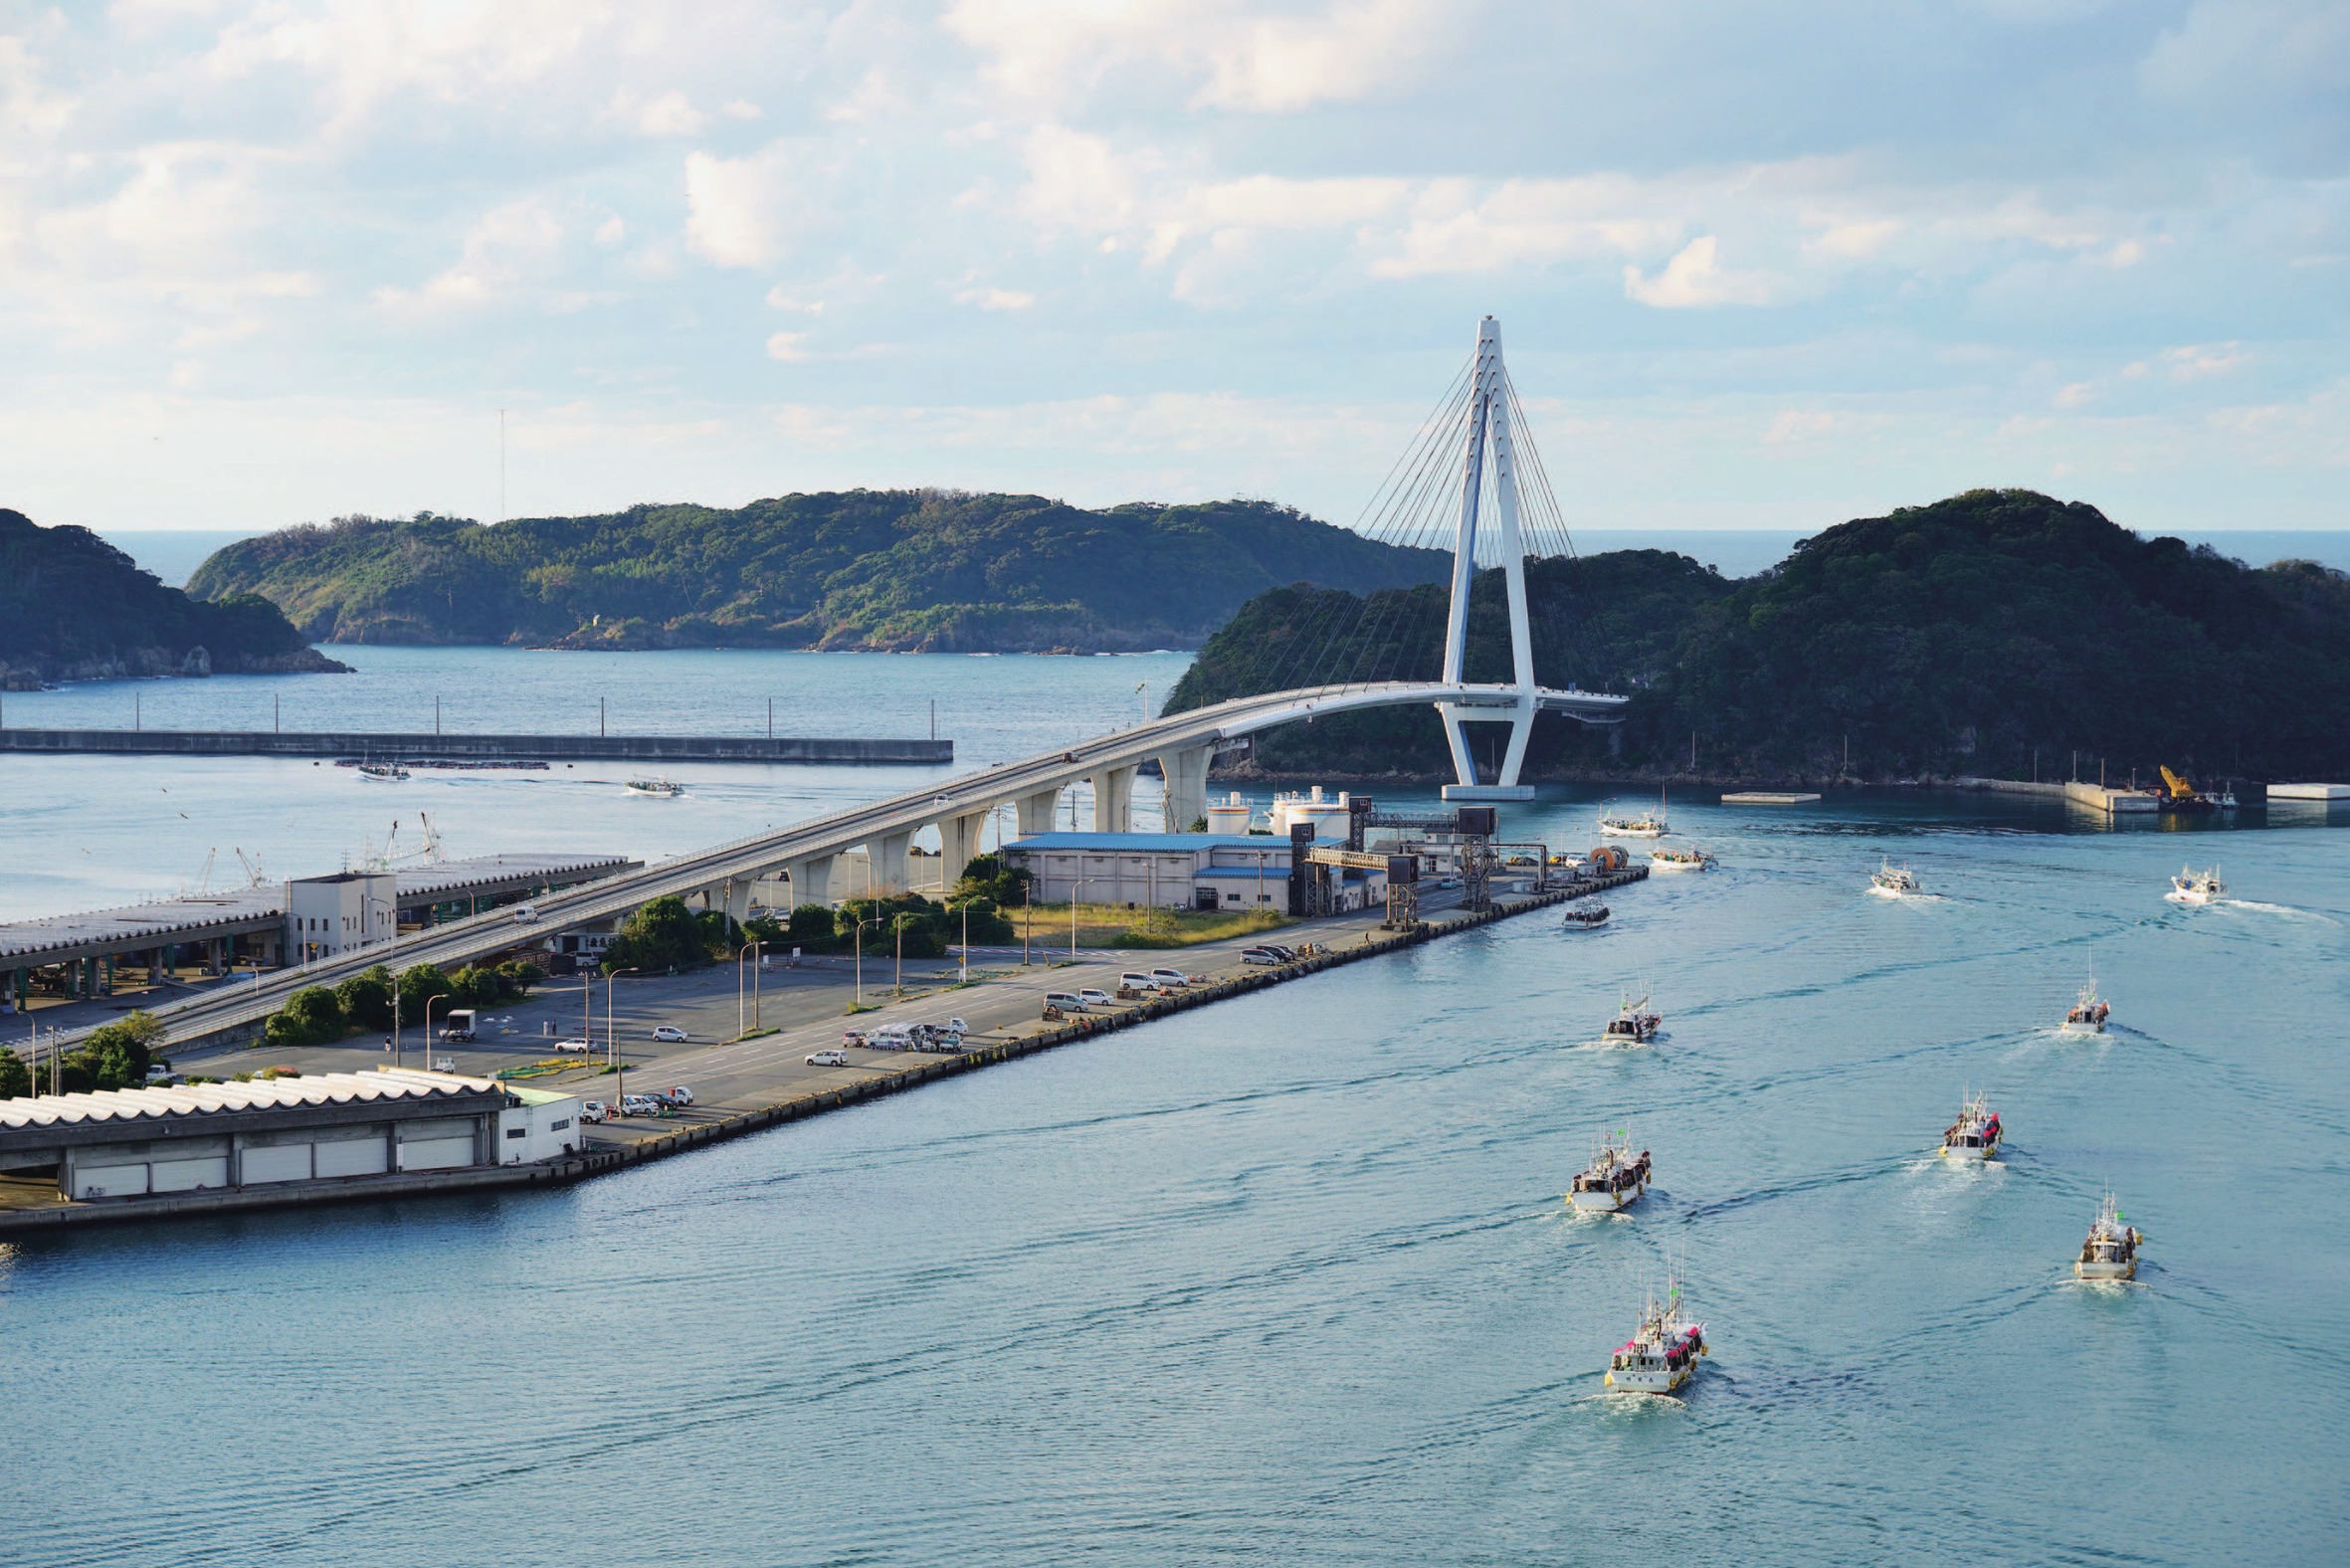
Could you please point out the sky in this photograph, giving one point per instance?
(266, 261)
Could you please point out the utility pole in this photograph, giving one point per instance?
(771, 718)
(501, 464)
(275, 714)
(934, 718)
(599, 716)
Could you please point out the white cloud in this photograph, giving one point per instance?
(735, 207)
(2195, 361)
(996, 298)
(1692, 281)
(510, 245)
(787, 346)
(672, 113)
(2074, 395)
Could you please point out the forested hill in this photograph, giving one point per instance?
(1955, 638)
(871, 569)
(74, 608)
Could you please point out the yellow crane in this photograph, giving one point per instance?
(2178, 792)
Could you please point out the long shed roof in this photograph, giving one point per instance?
(202, 1100)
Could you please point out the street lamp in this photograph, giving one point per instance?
(748, 947)
(437, 996)
(612, 1056)
(859, 935)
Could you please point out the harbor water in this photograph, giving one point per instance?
(1291, 1279)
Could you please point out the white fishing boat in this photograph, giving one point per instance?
(2088, 1015)
(2111, 1252)
(1632, 1025)
(1895, 882)
(1661, 1355)
(1587, 919)
(666, 789)
(1647, 824)
(1975, 1134)
(2194, 886)
(1692, 858)
(382, 772)
(1614, 1179)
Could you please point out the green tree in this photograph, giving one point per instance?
(418, 986)
(16, 1079)
(367, 998)
(993, 878)
(518, 975)
(310, 1017)
(118, 1054)
(662, 936)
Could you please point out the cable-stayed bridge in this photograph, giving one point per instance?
(1476, 426)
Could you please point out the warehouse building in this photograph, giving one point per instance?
(1178, 871)
(341, 1127)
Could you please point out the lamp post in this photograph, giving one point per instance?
(963, 974)
(437, 996)
(611, 1054)
(1024, 917)
(860, 934)
(748, 947)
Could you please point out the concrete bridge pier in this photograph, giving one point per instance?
(1113, 800)
(1186, 774)
(888, 860)
(811, 879)
(958, 841)
(1037, 810)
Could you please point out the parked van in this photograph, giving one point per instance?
(892, 1037)
(1067, 1001)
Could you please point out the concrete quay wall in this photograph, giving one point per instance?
(390, 748)
(796, 1109)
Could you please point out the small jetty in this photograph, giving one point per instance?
(1768, 796)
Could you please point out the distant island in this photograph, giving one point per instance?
(1994, 632)
(74, 608)
(914, 570)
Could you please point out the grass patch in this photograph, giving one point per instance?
(1114, 925)
(855, 1007)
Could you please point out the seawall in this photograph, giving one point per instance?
(796, 1107)
(418, 748)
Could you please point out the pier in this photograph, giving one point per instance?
(389, 747)
(759, 1079)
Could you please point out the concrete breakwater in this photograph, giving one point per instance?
(392, 747)
(810, 1102)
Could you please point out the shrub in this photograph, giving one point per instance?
(367, 998)
(16, 1079)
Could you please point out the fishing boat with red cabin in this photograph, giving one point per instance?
(1975, 1134)
(1661, 1355)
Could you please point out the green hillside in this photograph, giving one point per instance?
(1955, 638)
(871, 570)
(74, 608)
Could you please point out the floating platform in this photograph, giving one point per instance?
(375, 747)
(2309, 792)
(1767, 797)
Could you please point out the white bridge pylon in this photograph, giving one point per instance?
(1489, 441)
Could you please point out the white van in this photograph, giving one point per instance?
(1067, 1001)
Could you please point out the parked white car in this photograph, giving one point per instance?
(1090, 998)
(677, 1099)
(595, 1110)
(1260, 955)
(828, 1058)
(1067, 1001)
(1177, 977)
(641, 1106)
(576, 1047)
(1139, 981)
(670, 1033)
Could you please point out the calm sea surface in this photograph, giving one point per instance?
(1289, 1279)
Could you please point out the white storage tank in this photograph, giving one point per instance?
(1328, 816)
(1230, 815)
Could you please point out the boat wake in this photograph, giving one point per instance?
(2284, 909)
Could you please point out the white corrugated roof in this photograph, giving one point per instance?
(311, 1088)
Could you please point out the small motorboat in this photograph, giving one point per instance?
(1692, 859)
(382, 772)
(2111, 1252)
(1632, 1025)
(1614, 1179)
(1661, 1354)
(1895, 882)
(1585, 919)
(1975, 1134)
(2088, 1015)
(2194, 886)
(665, 789)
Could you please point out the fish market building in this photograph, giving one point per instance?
(1180, 871)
